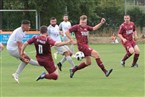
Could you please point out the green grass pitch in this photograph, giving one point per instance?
(89, 82)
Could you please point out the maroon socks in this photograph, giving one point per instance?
(126, 56)
(100, 64)
(135, 59)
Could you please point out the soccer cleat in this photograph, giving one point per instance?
(108, 72)
(41, 76)
(59, 66)
(122, 63)
(72, 72)
(134, 65)
(15, 76)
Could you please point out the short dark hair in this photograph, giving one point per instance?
(25, 22)
(52, 18)
(43, 29)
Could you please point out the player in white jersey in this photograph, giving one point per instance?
(64, 26)
(54, 33)
(14, 45)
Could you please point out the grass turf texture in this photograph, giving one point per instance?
(89, 82)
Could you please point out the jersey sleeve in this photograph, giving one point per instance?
(51, 41)
(73, 29)
(90, 28)
(120, 31)
(31, 40)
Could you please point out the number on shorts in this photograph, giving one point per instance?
(40, 49)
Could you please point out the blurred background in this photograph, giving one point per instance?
(43, 10)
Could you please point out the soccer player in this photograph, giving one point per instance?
(43, 45)
(14, 45)
(128, 36)
(64, 26)
(54, 33)
(81, 31)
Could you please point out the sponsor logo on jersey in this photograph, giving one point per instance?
(85, 33)
(129, 32)
(41, 41)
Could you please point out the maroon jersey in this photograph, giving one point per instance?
(43, 47)
(81, 33)
(126, 30)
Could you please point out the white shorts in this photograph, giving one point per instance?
(65, 38)
(14, 53)
(62, 49)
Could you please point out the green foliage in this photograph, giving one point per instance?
(112, 10)
(137, 16)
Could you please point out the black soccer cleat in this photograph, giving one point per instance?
(41, 76)
(59, 66)
(134, 65)
(122, 63)
(71, 73)
(108, 72)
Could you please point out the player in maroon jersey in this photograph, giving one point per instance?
(128, 35)
(81, 31)
(43, 45)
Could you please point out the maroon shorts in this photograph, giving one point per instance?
(47, 64)
(128, 45)
(85, 49)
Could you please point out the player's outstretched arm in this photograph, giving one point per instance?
(100, 24)
(61, 43)
(24, 57)
(23, 48)
(122, 38)
(70, 38)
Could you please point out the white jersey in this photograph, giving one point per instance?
(17, 35)
(64, 26)
(54, 33)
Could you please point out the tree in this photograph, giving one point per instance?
(1, 7)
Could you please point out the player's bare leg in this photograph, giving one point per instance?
(136, 56)
(81, 66)
(95, 54)
(127, 55)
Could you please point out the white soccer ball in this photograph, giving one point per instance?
(79, 55)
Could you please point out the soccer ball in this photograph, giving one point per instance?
(79, 55)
